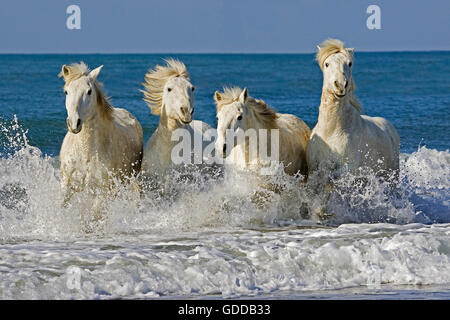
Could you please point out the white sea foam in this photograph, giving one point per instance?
(220, 236)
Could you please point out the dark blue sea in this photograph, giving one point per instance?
(210, 239)
(410, 89)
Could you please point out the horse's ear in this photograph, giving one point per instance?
(217, 96)
(65, 71)
(318, 48)
(244, 95)
(94, 73)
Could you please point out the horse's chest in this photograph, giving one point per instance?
(86, 164)
(336, 144)
(333, 149)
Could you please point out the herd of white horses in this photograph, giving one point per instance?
(104, 143)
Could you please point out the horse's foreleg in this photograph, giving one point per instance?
(67, 193)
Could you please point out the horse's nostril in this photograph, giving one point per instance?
(224, 150)
(336, 84)
(192, 112)
(78, 123)
(346, 84)
(182, 111)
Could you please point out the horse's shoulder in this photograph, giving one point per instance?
(125, 118)
(293, 122)
(383, 126)
(379, 122)
(123, 115)
(289, 118)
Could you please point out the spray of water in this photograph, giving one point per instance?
(31, 203)
(227, 232)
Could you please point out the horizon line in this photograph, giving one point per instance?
(213, 52)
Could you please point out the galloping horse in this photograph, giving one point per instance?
(343, 137)
(170, 94)
(102, 142)
(237, 111)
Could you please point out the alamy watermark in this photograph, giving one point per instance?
(374, 20)
(73, 278)
(73, 21)
(260, 148)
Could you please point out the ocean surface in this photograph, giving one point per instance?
(208, 238)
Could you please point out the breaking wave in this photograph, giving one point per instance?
(221, 234)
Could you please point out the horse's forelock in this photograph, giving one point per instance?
(328, 48)
(228, 96)
(75, 71)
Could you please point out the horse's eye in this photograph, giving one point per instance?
(169, 89)
(193, 88)
(89, 91)
(239, 118)
(350, 64)
(326, 64)
(65, 91)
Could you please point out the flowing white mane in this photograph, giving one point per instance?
(261, 110)
(333, 46)
(155, 80)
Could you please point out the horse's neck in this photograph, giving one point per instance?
(336, 114)
(254, 124)
(166, 127)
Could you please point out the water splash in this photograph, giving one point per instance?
(225, 234)
(31, 200)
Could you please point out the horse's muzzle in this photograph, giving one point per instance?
(222, 151)
(75, 129)
(186, 121)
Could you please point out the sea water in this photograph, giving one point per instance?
(208, 237)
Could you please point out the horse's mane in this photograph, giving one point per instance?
(78, 70)
(261, 110)
(333, 46)
(155, 80)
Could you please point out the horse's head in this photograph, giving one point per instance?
(336, 63)
(81, 94)
(231, 112)
(178, 99)
(169, 92)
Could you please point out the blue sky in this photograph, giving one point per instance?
(245, 26)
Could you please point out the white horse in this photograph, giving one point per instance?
(102, 142)
(344, 138)
(170, 94)
(238, 113)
